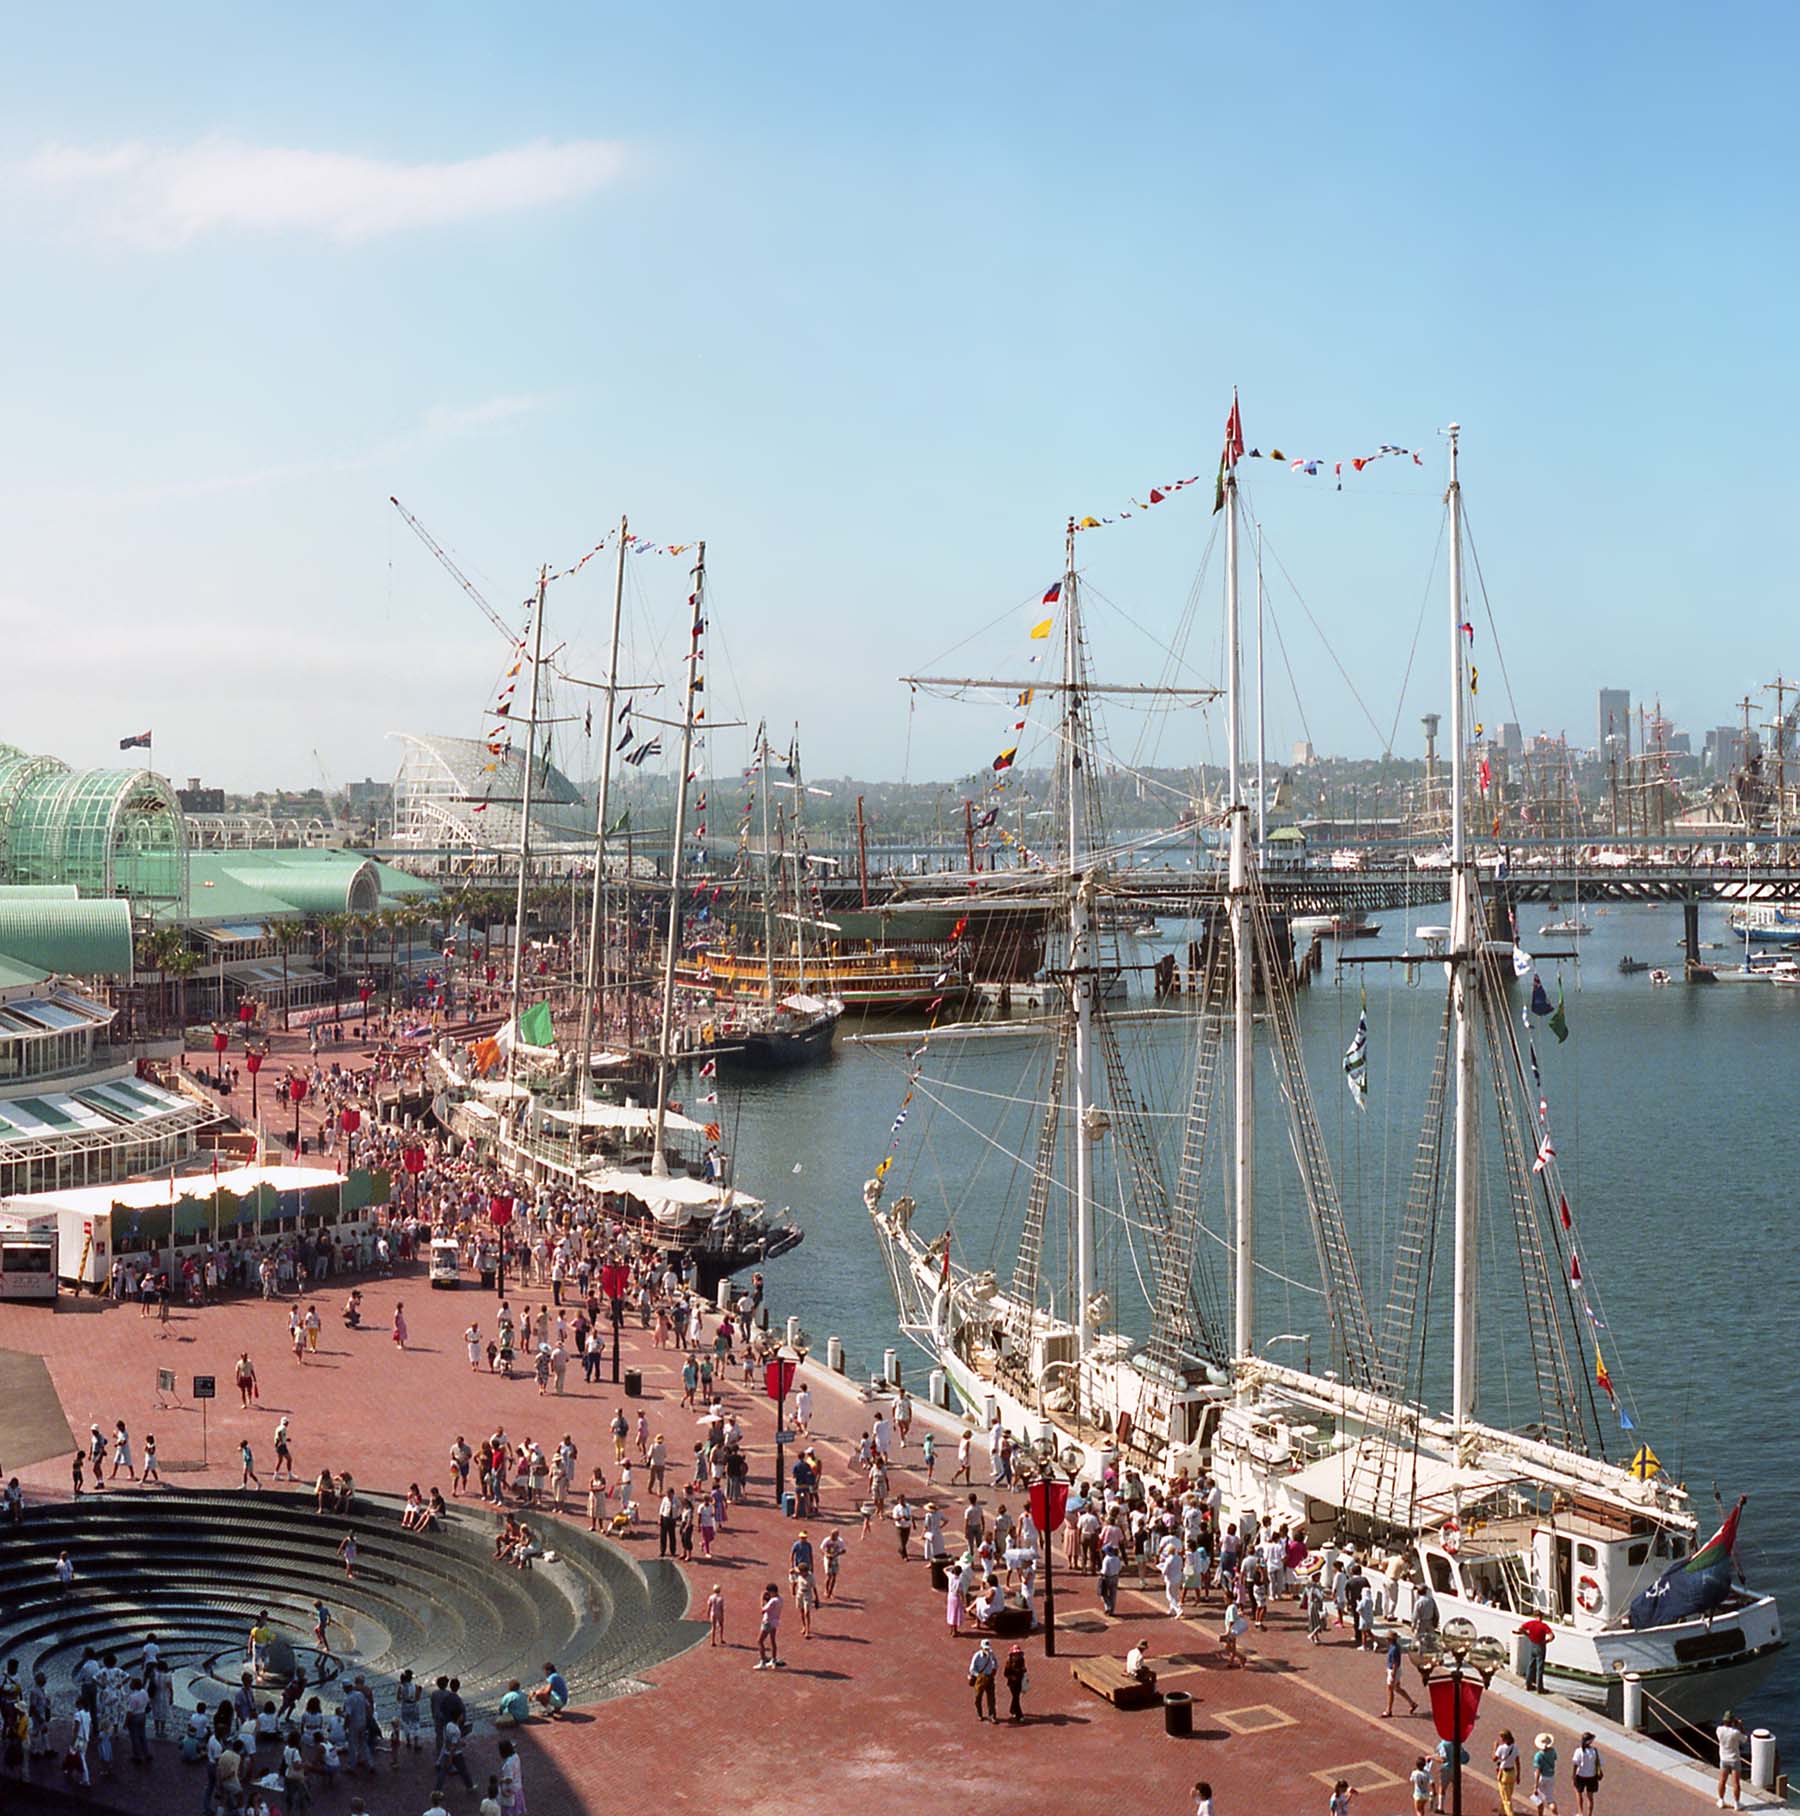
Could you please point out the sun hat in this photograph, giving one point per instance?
(1546, 1739)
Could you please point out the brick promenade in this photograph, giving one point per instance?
(872, 1715)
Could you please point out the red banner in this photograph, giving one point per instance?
(778, 1377)
(1049, 1501)
(1444, 1709)
(413, 1159)
(615, 1277)
(500, 1211)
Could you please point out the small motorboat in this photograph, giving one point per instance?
(1573, 928)
(1658, 975)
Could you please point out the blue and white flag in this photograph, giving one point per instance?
(1356, 1062)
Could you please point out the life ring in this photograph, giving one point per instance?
(1587, 1593)
(1452, 1536)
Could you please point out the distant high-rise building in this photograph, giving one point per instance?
(1512, 739)
(1614, 720)
(1303, 753)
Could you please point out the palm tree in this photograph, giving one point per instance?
(289, 936)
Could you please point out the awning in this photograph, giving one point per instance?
(638, 1119)
(672, 1197)
(234, 933)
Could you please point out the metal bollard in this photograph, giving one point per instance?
(990, 1411)
(1633, 1715)
(1763, 1763)
(937, 1389)
(724, 1295)
(793, 1333)
(890, 1366)
(834, 1355)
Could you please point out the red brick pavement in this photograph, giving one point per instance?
(873, 1714)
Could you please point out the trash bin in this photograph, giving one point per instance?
(1178, 1712)
(634, 1383)
(940, 1574)
(487, 1279)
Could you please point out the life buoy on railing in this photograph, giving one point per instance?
(1452, 1536)
(1587, 1593)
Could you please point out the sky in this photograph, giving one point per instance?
(873, 299)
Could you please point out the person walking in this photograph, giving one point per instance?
(983, 1668)
(399, 1334)
(150, 1473)
(1585, 1771)
(1396, 1659)
(1016, 1680)
(284, 1455)
(768, 1634)
(1731, 1760)
(121, 1452)
(1543, 1774)
(511, 1781)
(248, 1458)
(1506, 1769)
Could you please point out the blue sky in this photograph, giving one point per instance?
(872, 300)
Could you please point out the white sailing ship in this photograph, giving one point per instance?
(1558, 1520)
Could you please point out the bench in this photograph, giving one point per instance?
(1108, 1678)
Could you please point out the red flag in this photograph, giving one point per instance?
(1234, 434)
(1568, 1222)
(1053, 592)
(1574, 1270)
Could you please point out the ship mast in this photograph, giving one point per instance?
(1463, 959)
(1081, 967)
(1262, 742)
(802, 890)
(597, 950)
(770, 879)
(672, 943)
(531, 726)
(1237, 909)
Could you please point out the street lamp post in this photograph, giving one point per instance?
(1455, 1666)
(1048, 1499)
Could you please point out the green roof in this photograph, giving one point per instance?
(39, 892)
(14, 975)
(401, 885)
(84, 939)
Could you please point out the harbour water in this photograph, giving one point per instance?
(1673, 1110)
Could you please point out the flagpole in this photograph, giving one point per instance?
(658, 1164)
(537, 652)
(596, 954)
(1463, 958)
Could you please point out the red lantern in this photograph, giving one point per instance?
(221, 1040)
(1049, 1501)
(350, 1121)
(296, 1087)
(246, 1010)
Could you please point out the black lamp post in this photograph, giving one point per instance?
(1048, 1499)
(1447, 1661)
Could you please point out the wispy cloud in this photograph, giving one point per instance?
(441, 423)
(162, 197)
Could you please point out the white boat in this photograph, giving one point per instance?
(1767, 923)
(1571, 928)
(1560, 1519)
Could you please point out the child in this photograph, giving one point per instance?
(1314, 1597)
(1419, 1783)
(715, 1616)
(930, 1447)
(1341, 1794)
(1203, 1799)
(150, 1474)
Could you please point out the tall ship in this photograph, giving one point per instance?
(1567, 1516)
(589, 1115)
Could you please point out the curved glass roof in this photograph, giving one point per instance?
(106, 831)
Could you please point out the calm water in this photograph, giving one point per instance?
(1673, 1112)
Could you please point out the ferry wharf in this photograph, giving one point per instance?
(873, 1713)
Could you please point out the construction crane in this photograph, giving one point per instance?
(455, 573)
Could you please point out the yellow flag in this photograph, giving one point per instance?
(1040, 631)
(1088, 523)
(1646, 1463)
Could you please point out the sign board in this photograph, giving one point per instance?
(165, 1380)
(778, 1377)
(204, 1387)
(787, 1437)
